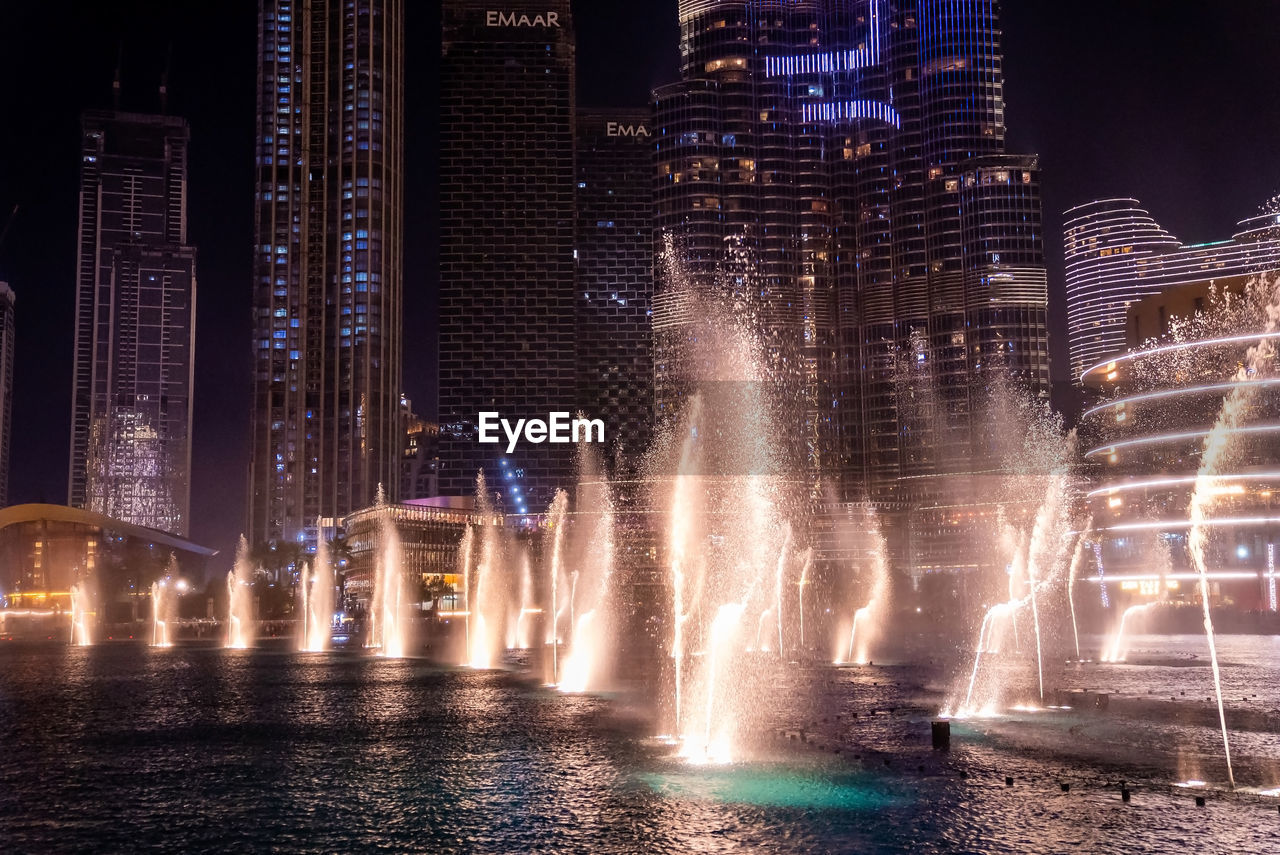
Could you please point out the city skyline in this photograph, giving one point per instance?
(221, 408)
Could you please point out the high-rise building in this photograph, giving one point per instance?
(857, 150)
(614, 253)
(329, 204)
(7, 302)
(135, 323)
(1116, 254)
(507, 236)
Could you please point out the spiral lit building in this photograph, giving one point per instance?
(1145, 444)
(1116, 254)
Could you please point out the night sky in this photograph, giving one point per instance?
(1175, 103)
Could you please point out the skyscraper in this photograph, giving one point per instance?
(507, 233)
(614, 253)
(857, 148)
(7, 302)
(135, 323)
(328, 286)
(1116, 254)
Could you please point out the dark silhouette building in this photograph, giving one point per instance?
(507, 237)
(135, 323)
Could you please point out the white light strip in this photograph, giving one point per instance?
(1190, 390)
(1168, 348)
(1181, 577)
(1174, 437)
(1175, 524)
(1174, 482)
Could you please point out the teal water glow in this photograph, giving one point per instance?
(776, 786)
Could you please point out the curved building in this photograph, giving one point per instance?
(1145, 444)
(1116, 253)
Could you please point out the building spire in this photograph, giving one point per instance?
(164, 80)
(115, 84)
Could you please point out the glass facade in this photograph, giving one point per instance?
(507, 237)
(135, 323)
(328, 261)
(614, 253)
(858, 150)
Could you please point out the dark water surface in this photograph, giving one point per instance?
(120, 747)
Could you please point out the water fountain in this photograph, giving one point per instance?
(556, 525)
(1258, 362)
(1038, 464)
(317, 588)
(1077, 558)
(726, 549)
(390, 612)
(868, 620)
(485, 596)
(806, 564)
(162, 607)
(585, 668)
(81, 612)
(240, 609)
(520, 634)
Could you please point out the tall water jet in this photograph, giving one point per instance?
(484, 598)
(592, 638)
(868, 620)
(466, 560)
(737, 442)
(1077, 558)
(391, 598)
(806, 564)
(162, 607)
(556, 518)
(317, 597)
(81, 610)
(783, 556)
(522, 635)
(717, 733)
(1116, 649)
(680, 535)
(240, 617)
(1038, 465)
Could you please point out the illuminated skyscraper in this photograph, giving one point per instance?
(135, 323)
(329, 204)
(7, 301)
(507, 234)
(857, 149)
(1116, 254)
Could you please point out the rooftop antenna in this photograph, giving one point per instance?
(115, 84)
(164, 80)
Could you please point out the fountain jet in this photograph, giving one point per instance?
(240, 617)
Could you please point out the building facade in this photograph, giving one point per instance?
(328, 261)
(135, 323)
(614, 269)
(507, 235)
(858, 151)
(1116, 254)
(7, 302)
(1144, 445)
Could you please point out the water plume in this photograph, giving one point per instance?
(240, 607)
(390, 610)
(556, 523)
(317, 589)
(81, 614)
